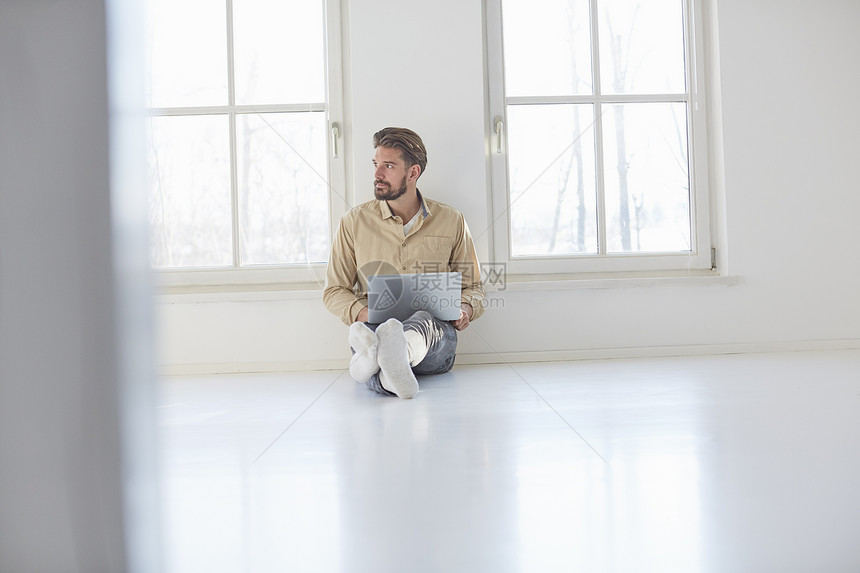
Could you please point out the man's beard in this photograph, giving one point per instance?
(388, 193)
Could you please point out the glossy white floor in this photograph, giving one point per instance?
(746, 463)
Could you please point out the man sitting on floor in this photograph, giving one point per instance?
(400, 231)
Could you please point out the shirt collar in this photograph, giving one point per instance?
(386, 210)
(423, 203)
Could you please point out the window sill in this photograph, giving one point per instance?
(612, 281)
(239, 292)
(257, 292)
(240, 284)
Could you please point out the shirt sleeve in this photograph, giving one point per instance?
(341, 276)
(464, 258)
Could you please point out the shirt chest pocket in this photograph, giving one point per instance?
(436, 250)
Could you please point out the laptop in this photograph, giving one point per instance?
(400, 296)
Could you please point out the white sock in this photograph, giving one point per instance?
(394, 371)
(416, 347)
(363, 363)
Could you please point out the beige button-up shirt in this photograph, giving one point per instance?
(370, 241)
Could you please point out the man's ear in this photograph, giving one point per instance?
(415, 172)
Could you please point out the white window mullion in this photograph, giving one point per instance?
(601, 186)
(231, 104)
(700, 217)
(690, 70)
(340, 198)
(225, 109)
(610, 98)
(598, 130)
(499, 217)
(595, 49)
(234, 190)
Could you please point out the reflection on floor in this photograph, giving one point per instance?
(745, 463)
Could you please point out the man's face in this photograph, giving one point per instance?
(390, 175)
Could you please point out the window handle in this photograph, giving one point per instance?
(335, 135)
(499, 128)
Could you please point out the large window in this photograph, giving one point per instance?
(600, 157)
(244, 100)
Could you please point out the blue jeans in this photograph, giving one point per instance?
(441, 340)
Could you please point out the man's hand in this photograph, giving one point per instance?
(465, 315)
(362, 315)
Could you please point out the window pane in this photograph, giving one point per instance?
(552, 194)
(283, 192)
(547, 47)
(187, 53)
(189, 179)
(647, 172)
(641, 46)
(279, 51)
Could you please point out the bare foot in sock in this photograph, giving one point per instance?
(395, 374)
(363, 363)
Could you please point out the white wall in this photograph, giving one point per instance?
(788, 194)
(65, 479)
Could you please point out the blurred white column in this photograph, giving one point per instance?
(76, 413)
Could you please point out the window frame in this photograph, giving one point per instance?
(700, 260)
(299, 275)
